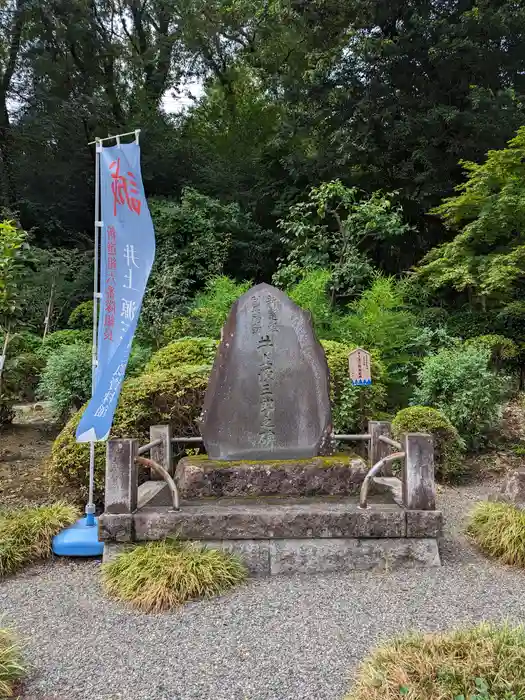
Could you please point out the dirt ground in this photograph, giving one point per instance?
(24, 448)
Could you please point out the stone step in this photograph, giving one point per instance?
(245, 519)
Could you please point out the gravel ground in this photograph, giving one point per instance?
(296, 638)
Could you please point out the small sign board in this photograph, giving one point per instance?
(2, 360)
(359, 365)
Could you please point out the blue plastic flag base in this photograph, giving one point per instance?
(79, 540)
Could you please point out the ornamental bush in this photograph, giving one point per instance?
(82, 316)
(12, 665)
(172, 396)
(461, 385)
(66, 379)
(448, 446)
(353, 407)
(186, 351)
(58, 339)
(22, 374)
(486, 662)
(158, 576)
(498, 529)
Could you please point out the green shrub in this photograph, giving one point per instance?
(171, 396)
(186, 351)
(460, 384)
(81, 317)
(212, 307)
(21, 375)
(161, 575)
(501, 349)
(138, 360)
(499, 530)
(12, 667)
(58, 339)
(66, 379)
(487, 661)
(179, 327)
(26, 534)
(448, 446)
(352, 406)
(311, 294)
(21, 343)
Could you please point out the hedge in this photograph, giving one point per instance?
(186, 351)
(172, 397)
(448, 446)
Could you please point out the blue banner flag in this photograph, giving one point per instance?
(127, 251)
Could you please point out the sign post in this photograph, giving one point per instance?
(359, 366)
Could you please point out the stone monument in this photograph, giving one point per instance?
(268, 396)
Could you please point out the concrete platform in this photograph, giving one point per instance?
(310, 556)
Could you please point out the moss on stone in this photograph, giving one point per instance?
(323, 461)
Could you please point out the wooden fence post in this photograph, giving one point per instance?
(378, 449)
(121, 476)
(163, 453)
(419, 488)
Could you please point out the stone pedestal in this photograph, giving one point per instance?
(337, 475)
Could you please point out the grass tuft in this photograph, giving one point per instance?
(486, 661)
(161, 575)
(26, 534)
(498, 529)
(12, 668)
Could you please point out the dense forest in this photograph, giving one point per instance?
(365, 156)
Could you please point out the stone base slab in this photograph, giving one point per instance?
(337, 475)
(269, 519)
(322, 556)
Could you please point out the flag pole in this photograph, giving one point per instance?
(90, 507)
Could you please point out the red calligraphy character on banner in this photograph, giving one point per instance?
(108, 334)
(110, 300)
(112, 234)
(123, 188)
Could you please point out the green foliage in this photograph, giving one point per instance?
(487, 256)
(138, 360)
(498, 529)
(311, 294)
(199, 238)
(171, 396)
(212, 306)
(460, 384)
(501, 349)
(352, 406)
(12, 666)
(66, 379)
(13, 258)
(158, 576)
(21, 375)
(379, 319)
(186, 351)
(478, 663)
(448, 446)
(179, 327)
(81, 317)
(332, 230)
(59, 339)
(26, 535)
